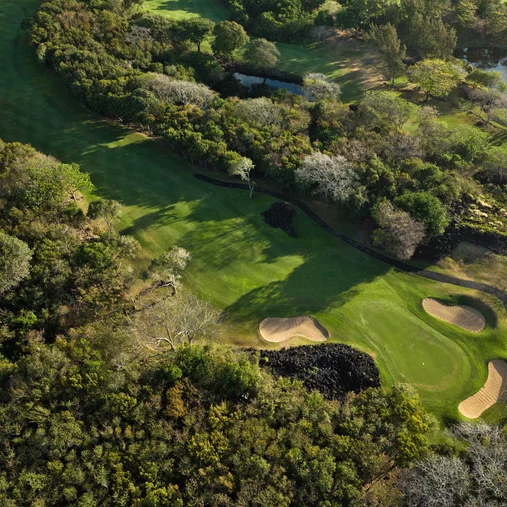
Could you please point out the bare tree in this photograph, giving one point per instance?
(171, 322)
(484, 102)
(138, 35)
(321, 33)
(333, 178)
(474, 478)
(437, 481)
(167, 269)
(398, 233)
(243, 168)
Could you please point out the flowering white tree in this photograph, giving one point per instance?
(332, 178)
(318, 87)
(261, 111)
(243, 168)
(167, 269)
(177, 91)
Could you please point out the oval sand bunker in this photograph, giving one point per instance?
(278, 330)
(465, 317)
(488, 394)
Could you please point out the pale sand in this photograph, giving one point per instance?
(465, 317)
(489, 394)
(279, 330)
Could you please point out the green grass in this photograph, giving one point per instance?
(244, 267)
(348, 63)
(184, 9)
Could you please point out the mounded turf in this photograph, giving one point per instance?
(245, 267)
(183, 9)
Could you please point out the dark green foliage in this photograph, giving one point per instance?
(85, 422)
(425, 208)
(58, 270)
(281, 20)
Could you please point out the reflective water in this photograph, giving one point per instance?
(485, 58)
(273, 83)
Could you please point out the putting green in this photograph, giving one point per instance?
(240, 264)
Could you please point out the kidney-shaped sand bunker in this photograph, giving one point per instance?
(465, 317)
(489, 393)
(278, 330)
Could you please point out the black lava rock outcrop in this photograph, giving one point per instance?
(281, 216)
(333, 369)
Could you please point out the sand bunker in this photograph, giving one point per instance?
(465, 317)
(278, 330)
(489, 394)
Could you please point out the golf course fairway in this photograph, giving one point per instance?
(244, 267)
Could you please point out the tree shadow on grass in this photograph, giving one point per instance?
(307, 290)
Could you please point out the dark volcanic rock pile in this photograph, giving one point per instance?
(333, 369)
(281, 215)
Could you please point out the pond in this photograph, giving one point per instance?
(485, 58)
(273, 83)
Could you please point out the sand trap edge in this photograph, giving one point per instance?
(489, 394)
(280, 329)
(437, 309)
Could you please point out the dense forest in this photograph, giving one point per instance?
(92, 413)
(113, 388)
(424, 181)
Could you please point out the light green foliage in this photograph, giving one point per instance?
(466, 13)
(15, 257)
(229, 36)
(486, 78)
(197, 30)
(261, 53)
(436, 77)
(386, 111)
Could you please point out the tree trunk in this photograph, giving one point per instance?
(198, 47)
